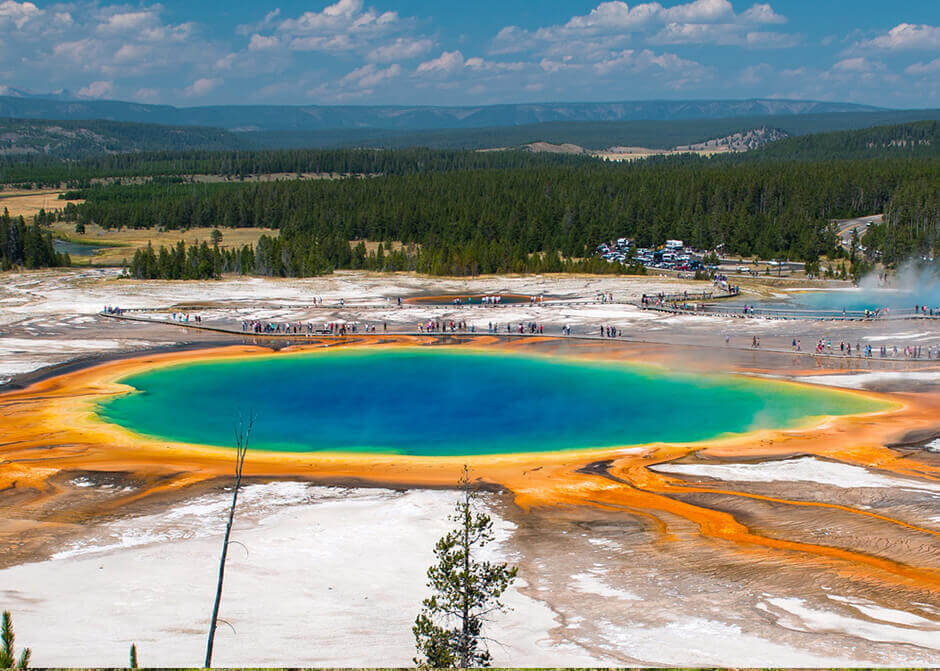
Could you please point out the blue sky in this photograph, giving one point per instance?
(482, 52)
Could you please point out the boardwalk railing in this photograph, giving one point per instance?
(588, 335)
(687, 307)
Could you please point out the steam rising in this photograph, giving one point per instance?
(921, 283)
(912, 285)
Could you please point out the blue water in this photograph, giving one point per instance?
(850, 300)
(76, 248)
(444, 401)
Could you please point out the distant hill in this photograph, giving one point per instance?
(81, 139)
(317, 117)
(735, 143)
(921, 139)
(592, 135)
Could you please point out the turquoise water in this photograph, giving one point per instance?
(76, 248)
(442, 401)
(851, 300)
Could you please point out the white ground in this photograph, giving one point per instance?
(803, 469)
(335, 577)
(331, 577)
(35, 304)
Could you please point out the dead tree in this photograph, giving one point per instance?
(242, 434)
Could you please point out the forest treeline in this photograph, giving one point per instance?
(43, 171)
(306, 257)
(45, 141)
(919, 139)
(588, 134)
(459, 212)
(495, 220)
(27, 245)
(911, 228)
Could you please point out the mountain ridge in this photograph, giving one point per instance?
(403, 117)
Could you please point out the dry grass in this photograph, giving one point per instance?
(28, 203)
(129, 240)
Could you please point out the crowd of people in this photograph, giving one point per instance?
(445, 326)
(825, 346)
(261, 326)
(521, 328)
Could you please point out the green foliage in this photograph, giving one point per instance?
(26, 140)
(465, 591)
(7, 648)
(25, 245)
(133, 656)
(912, 224)
(467, 222)
(918, 139)
(237, 165)
(199, 261)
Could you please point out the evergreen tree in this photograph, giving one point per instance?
(7, 651)
(466, 591)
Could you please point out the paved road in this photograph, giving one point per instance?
(846, 226)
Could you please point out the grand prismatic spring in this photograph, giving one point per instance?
(443, 401)
(617, 465)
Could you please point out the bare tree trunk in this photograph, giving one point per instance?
(465, 630)
(242, 433)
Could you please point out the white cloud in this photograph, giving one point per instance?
(701, 11)
(80, 52)
(765, 40)
(369, 75)
(446, 63)
(858, 64)
(763, 14)
(907, 36)
(17, 13)
(609, 24)
(557, 66)
(96, 90)
(125, 22)
(615, 16)
(130, 53)
(699, 33)
(924, 68)
(261, 42)
(266, 22)
(346, 26)
(403, 48)
(630, 60)
(226, 62)
(343, 16)
(202, 86)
